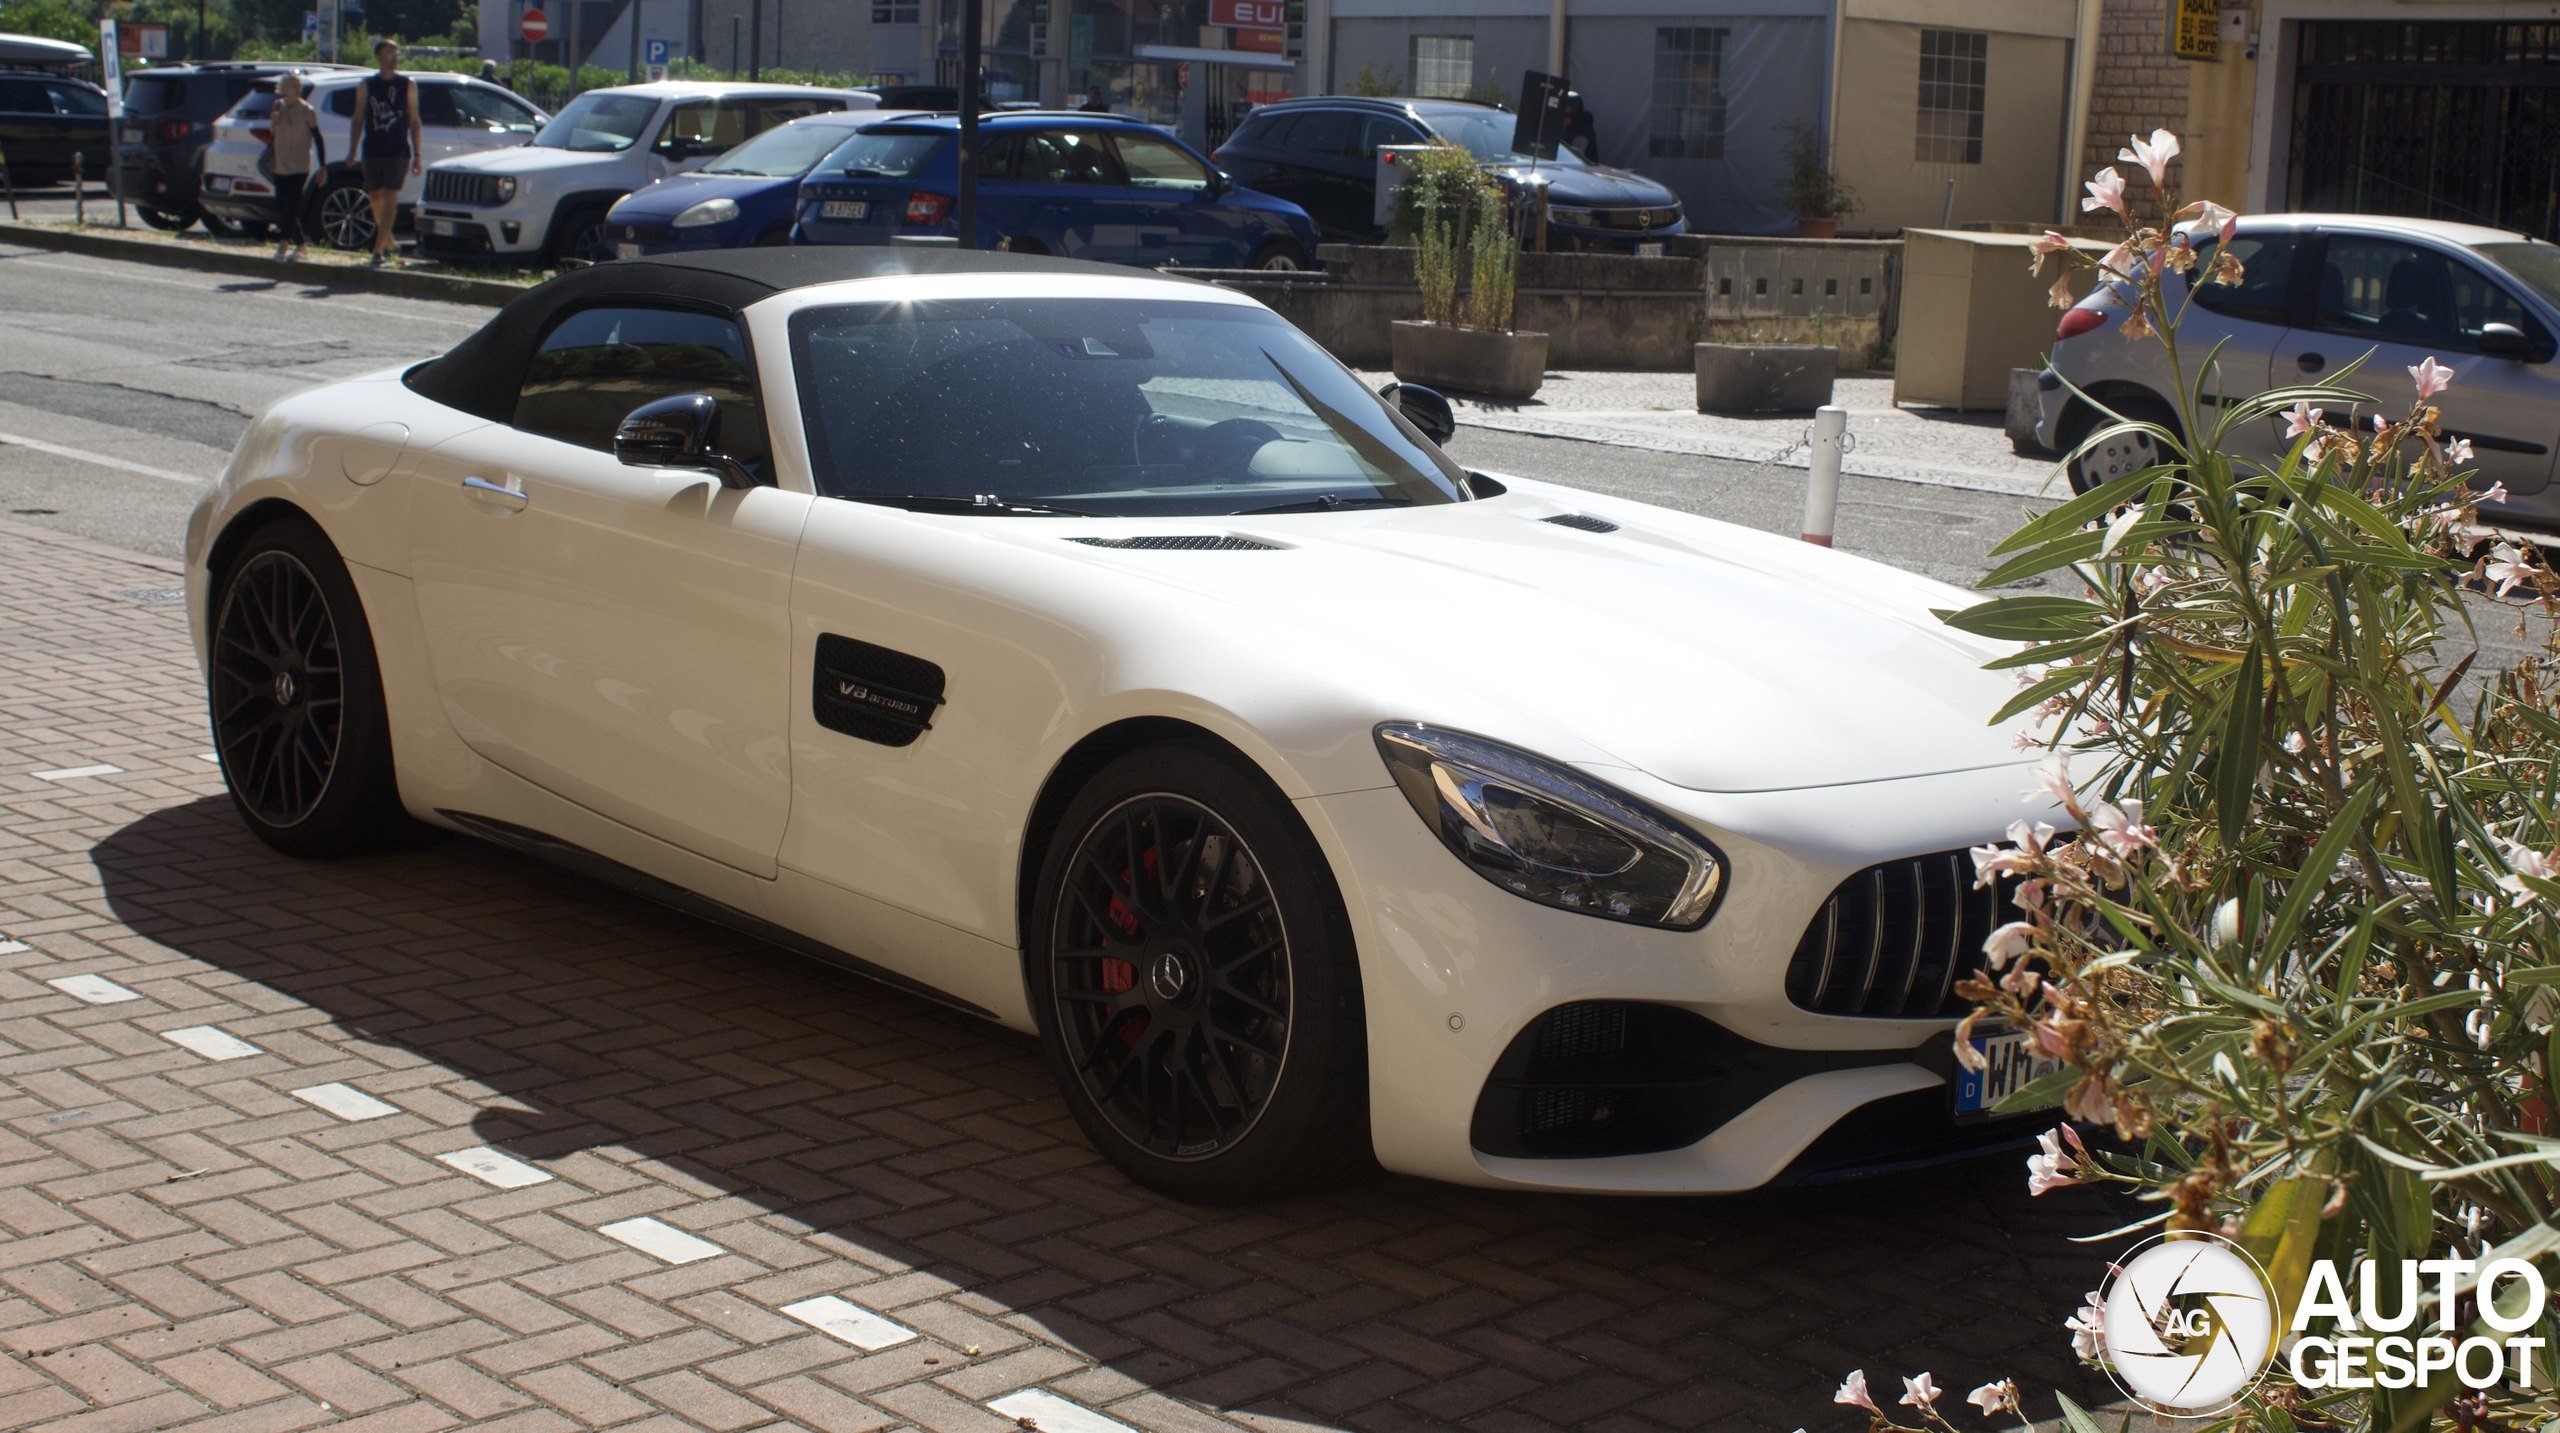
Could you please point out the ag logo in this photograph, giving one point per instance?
(2189, 1325)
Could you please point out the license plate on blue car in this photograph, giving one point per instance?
(2010, 1063)
(844, 209)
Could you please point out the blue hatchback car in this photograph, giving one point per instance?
(1082, 186)
(743, 198)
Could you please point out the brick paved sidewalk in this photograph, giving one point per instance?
(225, 1202)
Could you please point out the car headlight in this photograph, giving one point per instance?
(1547, 833)
(709, 211)
(506, 188)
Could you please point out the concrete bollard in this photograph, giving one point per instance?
(1822, 477)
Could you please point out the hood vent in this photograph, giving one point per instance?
(1583, 522)
(1205, 542)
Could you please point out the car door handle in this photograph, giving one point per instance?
(481, 490)
(2311, 363)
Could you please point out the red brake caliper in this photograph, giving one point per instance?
(1119, 975)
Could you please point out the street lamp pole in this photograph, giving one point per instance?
(971, 21)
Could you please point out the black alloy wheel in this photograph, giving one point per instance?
(1195, 985)
(345, 216)
(1281, 256)
(295, 698)
(279, 705)
(585, 237)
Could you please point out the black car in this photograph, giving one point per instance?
(1321, 153)
(169, 112)
(45, 120)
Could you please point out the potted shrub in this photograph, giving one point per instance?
(1818, 197)
(1465, 344)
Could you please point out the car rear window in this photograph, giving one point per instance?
(150, 94)
(886, 154)
(257, 104)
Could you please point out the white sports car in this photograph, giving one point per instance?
(1086, 649)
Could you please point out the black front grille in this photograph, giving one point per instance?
(1637, 219)
(1203, 543)
(1895, 938)
(446, 186)
(1583, 521)
(640, 233)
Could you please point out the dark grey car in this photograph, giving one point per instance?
(2321, 291)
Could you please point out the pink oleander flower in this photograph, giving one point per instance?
(2029, 896)
(2045, 247)
(2088, 1326)
(2089, 1101)
(2508, 566)
(2118, 261)
(2136, 325)
(2122, 829)
(2497, 491)
(2432, 377)
(2059, 296)
(1919, 1392)
(1853, 1391)
(2053, 778)
(2301, 419)
(2023, 741)
(2049, 1039)
(2151, 580)
(2458, 451)
(2054, 1167)
(2208, 216)
(2008, 943)
(2106, 191)
(2154, 156)
(1967, 1056)
(2293, 743)
(2525, 861)
(2019, 858)
(2381, 424)
(1992, 1397)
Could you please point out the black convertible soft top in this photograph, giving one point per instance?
(482, 374)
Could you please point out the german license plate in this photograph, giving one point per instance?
(844, 209)
(626, 251)
(2010, 1064)
(440, 226)
(217, 184)
(1648, 251)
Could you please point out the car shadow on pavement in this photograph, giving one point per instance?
(931, 1150)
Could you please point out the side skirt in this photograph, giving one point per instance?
(580, 860)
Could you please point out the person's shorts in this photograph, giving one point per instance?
(385, 171)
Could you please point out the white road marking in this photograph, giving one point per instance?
(662, 1241)
(211, 1042)
(1052, 1414)
(490, 1167)
(96, 989)
(852, 1323)
(74, 773)
(211, 290)
(12, 440)
(346, 1102)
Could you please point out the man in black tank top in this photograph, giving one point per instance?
(386, 136)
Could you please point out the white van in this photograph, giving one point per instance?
(548, 201)
(457, 114)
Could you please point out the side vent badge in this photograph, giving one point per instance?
(873, 693)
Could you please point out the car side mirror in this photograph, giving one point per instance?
(1220, 181)
(1424, 408)
(680, 150)
(2505, 340)
(679, 432)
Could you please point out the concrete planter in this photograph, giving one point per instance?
(1764, 378)
(1467, 360)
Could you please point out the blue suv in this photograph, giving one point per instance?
(1083, 186)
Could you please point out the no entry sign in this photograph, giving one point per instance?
(535, 25)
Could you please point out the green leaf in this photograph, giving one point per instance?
(2535, 975)
(2314, 875)
(2025, 619)
(2279, 1233)
(2079, 512)
(2074, 1416)
(2236, 764)
(2061, 681)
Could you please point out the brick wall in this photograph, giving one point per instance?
(2139, 86)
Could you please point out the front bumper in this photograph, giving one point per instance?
(1587, 239)
(1455, 972)
(461, 234)
(636, 240)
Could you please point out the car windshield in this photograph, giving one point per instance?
(885, 154)
(1100, 407)
(1486, 134)
(598, 123)
(2538, 265)
(779, 153)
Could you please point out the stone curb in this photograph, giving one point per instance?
(404, 283)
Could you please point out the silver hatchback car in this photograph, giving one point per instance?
(2321, 291)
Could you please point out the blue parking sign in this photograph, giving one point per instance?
(657, 52)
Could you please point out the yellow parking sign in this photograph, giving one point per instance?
(2195, 29)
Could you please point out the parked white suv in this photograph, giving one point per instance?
(548, 201)
(458, 115)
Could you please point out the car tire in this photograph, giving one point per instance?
(1281, 255)
(295, 695)
(1222, 1055)
(342, 216)
(162, 219)
(2119, 455)
(580, 234)
(220, 227)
